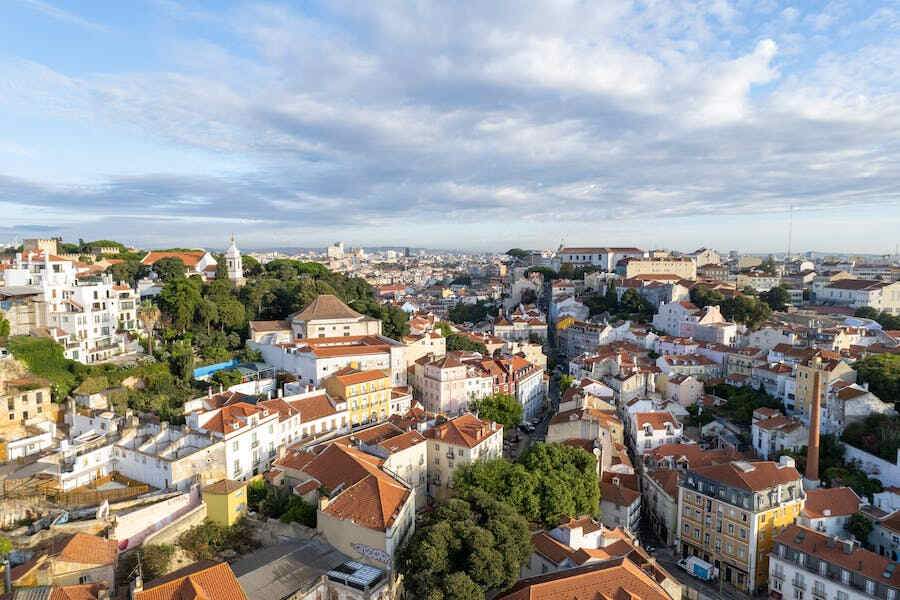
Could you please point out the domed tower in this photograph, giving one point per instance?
(234, 264)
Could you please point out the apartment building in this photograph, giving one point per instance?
(650, 430)
(250, 434)
(366, 393)
(457, 442)
(857, 293)
(829, 370)
(603, 257)
(729, 515)
(805, 563)
(447, 385)
(25, 399)
(682, 268)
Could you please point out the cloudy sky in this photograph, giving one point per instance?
(477, 125)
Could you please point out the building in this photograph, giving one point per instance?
(603, 257)
(772, 433)
(87, 314)
(696, 366)
(328, 317)
(705, 257)
(234, 264)
(857, 293)
(620, 501)
(684, 389)
(447, 385)
(364, 511)
(519, 378)
(250, 434)
(23, 307)
(827, 510)
(204, 579)
(75, 559)
(196, 262)
(850, 403)
(366, 393)
(684, 319)
(660, 503)
(805, 563)
(681, 268)
(457, 442)
(25, 400)
(226, 501)
(87, 591)
(815, 375)
(580, 337)
(758, 282)
(313, 360)
(613, 578)
(728, 515)
(650, 430)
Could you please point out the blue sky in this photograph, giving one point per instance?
(458, 125)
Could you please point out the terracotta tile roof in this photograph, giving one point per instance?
(269, 325)
(656, 419)
(351, 376)
(89, 549)
(851, 392)
(779, 423)
(625, 493)
(224, 486)
(615, 579)
(190, 258)
(892, 521)
(312, 407)
(231, 417)
(838, 502)
(667, 480)
(87, 591)
(754, 477)
(694, 455)
(464, 430)
(200, 581)
(343, 346)
(586, 414)
(811, 542)
(278, 405)
(325, 307)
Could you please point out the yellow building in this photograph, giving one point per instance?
(729, 515)
(367, 393)
(226, 501)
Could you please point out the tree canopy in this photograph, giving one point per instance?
(468, 545)
(882, 373)
(547, 483)
(459, 342)
(777, 298)
(169, 269)
(517, 253)
(500, 408)
(471, 313)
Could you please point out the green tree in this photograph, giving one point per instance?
(471, 313)
(777, 298)
(468, 545)
(500, 408)
(866, 312)
(227, 377)
(252, 268)
(860, 527)
(768, 266)
(445, 328)
(877, 434)
(517, 253)
(179, 300)
(882, 373)
(460, 342)
(4, 328)
(169, 269)
(181, 360)
(702, 296)
(549, 482)
(128, 271)
(6, 546)
(611, 298)
(155, 560)
(565, 382)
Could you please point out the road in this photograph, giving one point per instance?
(669, 561)
(540, 431)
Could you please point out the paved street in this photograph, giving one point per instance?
(668, 560)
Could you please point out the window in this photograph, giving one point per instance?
(870, 587)
(731, 529)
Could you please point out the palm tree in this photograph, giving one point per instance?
(149, 315)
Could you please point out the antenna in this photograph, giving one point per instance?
(790, 233)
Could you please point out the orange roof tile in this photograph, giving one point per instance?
(200, 581)
(464, 430)
(190, 258)
(837, 502)
(89, 549)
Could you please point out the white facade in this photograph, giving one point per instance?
(234, 264)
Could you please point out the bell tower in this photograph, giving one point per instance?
(234, 264)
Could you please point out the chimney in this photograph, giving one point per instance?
(812, 452)
(137, 585)
(103, 594)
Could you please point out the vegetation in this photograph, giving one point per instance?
(227, 377)
(742, 401)
(155, 560)
(6, 546)
(458, 341)
(835, 471)
(4, 328)
(471, 313)
(777, 298)
(565, 382)
(277, 503)
(859, 526)
(468, 545)
(209, 539)
(547, 483)
(882, 373)
(500, 408)
(45, 358)
(517, 253)
(742, 308)
(876, 434)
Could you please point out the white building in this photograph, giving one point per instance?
(857, 293)
(827, 510)
(448, 384)
(807, 564)
(603, 257)
(458, 442)
(652, 429)
(234, 264)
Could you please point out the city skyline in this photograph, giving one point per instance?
(298, 125)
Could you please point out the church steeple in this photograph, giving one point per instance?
(234, 264)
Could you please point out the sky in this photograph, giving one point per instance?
(467, 125)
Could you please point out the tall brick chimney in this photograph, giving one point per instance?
(811, 481)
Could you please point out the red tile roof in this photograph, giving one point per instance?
(200, 581)
(465, 430)
(831, 502)
(754, 477)
(190, 258)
